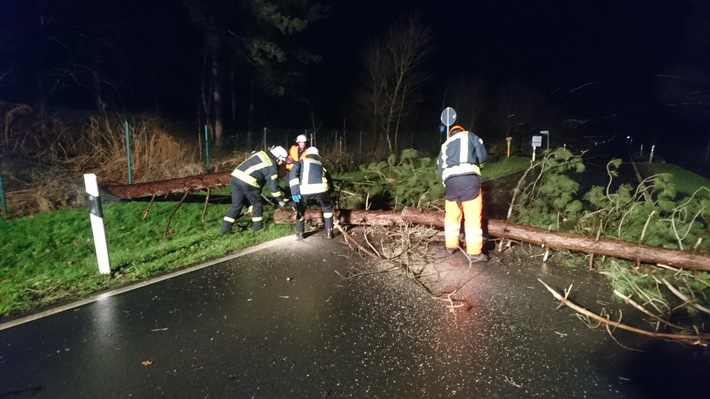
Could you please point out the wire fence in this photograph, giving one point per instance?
(357, 142)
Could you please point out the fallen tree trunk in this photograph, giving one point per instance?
(345, 217)
(534, 235)
(165, 187)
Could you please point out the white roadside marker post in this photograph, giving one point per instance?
(97, 223)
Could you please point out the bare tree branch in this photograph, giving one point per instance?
(392, 76)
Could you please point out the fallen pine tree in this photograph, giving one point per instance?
(494, 227)
(169, 186)
(503, 229)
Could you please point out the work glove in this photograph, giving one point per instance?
(296, 198)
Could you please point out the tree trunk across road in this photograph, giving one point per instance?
(496, 228)
(503, 229)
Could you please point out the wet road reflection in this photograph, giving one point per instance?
(280, 323)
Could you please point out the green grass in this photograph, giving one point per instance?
(504, 167)
(51, 257)
(686, 182)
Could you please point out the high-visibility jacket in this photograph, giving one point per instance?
(259, 169)
(461, 154)
(308, 176)
(294, 155)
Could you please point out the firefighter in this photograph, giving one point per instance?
(247, 181)
(459, 166)
(308, 180)
(297, 151)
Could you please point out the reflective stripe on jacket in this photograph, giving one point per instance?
(461, 154)
(259, 169)
(308, 176)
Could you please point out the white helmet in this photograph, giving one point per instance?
(301, 138)
(279, 152)
(312, 151)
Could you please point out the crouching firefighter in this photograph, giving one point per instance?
(459, 166)
(247, 181)
(307, 180)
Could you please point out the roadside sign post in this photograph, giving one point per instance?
(448, 117)
(97, 223)
(546, 133)
(536, 142)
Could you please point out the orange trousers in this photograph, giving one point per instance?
(470, 212)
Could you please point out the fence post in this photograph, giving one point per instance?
(207, 149)
(2, 198)
(97, 223)
(128, 153)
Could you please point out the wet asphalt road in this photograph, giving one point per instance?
(279, 322)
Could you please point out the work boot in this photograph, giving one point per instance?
(478, 258)
(226, 228)
(299, 236)
(329, 234)
(450, 251)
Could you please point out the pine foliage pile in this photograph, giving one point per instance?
(652, 213)
(395, 183)
(546, 195)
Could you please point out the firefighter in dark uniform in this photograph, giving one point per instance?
(308, 180)
(247, 181)
(459, 165)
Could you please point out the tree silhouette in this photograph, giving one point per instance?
(392, 77)
(254, 39)
(470, 98)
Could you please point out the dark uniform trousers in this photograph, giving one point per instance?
(243, 195)
(325, 204)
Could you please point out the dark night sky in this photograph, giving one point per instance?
(615, 48)
(614, 52)
(590, 58)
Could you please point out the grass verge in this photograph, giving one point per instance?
(685, 181)
(50, 257)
